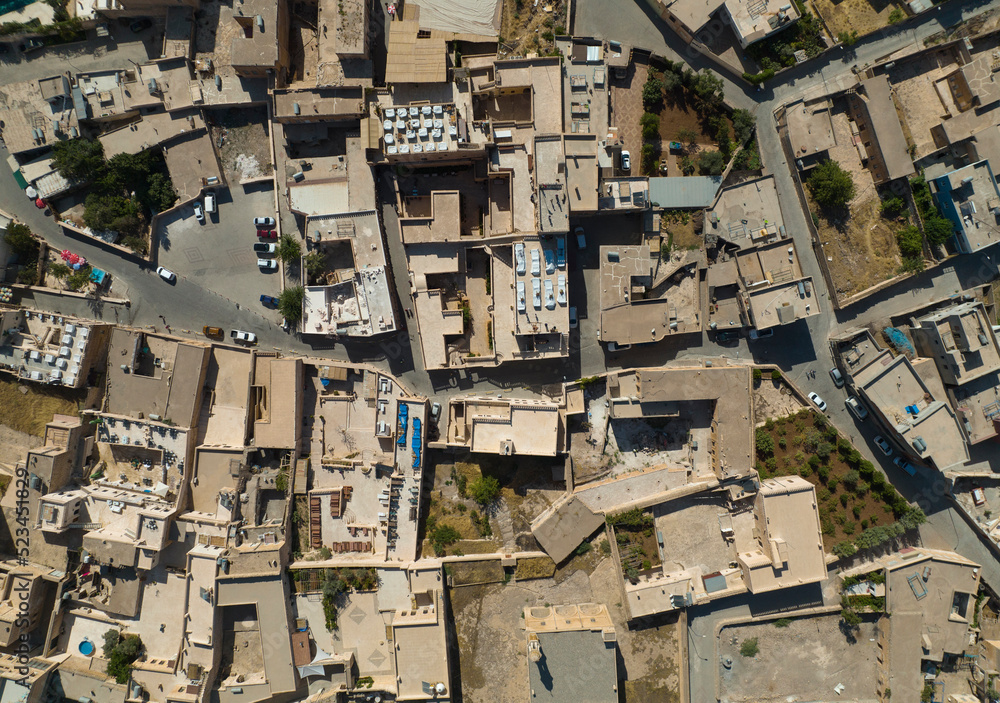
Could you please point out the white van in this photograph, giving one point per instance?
(209, 203)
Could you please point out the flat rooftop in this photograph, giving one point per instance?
(432, 218)
(191, 161)
(552, 204)
(542, 287)
(635, 308)
(559, 677)
(783, 303)
(790, 541)
(30, 121)
(417, 129)
(277, 388)
(319, 197)
(969, 198)
(318, 103)
(260, 44)
(899, 393)
(746, 212)
(977, 402)
(810, 127)
(151, 130)
(581, 171)
(693, 13)
(755, 19)
(530, 427)
(170, 388)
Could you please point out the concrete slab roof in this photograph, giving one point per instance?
(152, 130)
(561, 528)
(810, 127)
(277, 386)
(684, 191)
(888, 134)
(191, 161)
(891, 385)
(790, 540)
(560, 677)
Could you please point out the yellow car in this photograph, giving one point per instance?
(213, 332)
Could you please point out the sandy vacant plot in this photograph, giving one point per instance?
(861, 16)
(493, 653)
(804, 660)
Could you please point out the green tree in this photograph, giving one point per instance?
(650, 123)
(831, 185)
(893, 206)
(671, 81)
(850, 618)
(711, 163)
(59, 269)
(484, 489)
(764, 442)
(709, 88)
(290, 303)
(848, 39)
(21, 241)
(78, 158)
(78, 279)
(743, 124)
(652, 93)
(910, 243)
(122, 655)
(289, 249)
(938, 229)
(160, 193)
(687, 136)
(896, 15)
(687, 165)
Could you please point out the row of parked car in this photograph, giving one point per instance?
(861, 412)
(263, 249)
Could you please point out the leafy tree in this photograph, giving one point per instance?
(78, 158)
(290, 303)
(844, 549)
(910, 242)
(848, 39)
(764, 443)
(709, 88)
(160, 193)
(893, 206)
(687, 136)
(743, 124)
(121, 654)
(652, 93)
(671, 81)
(749, 647)
(938, 230)
(896, 15)
(315, 263)
(831, 185)
(21, 241)
(484, 489)
(687, 165)
(650, 153)
(850, 618)
(711, 163)
(650, 123)
(102, 211)
(78, 279)
(59, 269)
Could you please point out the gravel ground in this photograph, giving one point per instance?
(801, 662)
(245, 152)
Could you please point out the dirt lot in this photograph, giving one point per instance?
(14, 445)
(493, 659)
(773, 399)
(526, 26)
(803, 661)
(922, 106)
(245, 152)
(527, 489)
(27, 407)
(861, 16)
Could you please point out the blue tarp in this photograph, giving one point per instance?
(416, 442)
(401, 414)
(97, 275)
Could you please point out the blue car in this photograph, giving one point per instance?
(269, 301)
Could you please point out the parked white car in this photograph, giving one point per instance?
(166, 274)
(883, 445)
(818, 402)
(267, 264)
(245, 337)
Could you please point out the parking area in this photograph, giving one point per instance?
(218, 254)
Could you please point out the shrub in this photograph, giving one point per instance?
(844, 549)
(757, 373)
(830, 184)
(743, 124)
(910, 242)
(824, 473)
(583, 548)
(652, 92)
(782, 443)
(824, 449)
(484, 489)
(783, 622)
(775, 375)
(281, 482)
(850, 618)
(121, 652)
(893, 206)
(848, 39)
(711, 163)
(650, 123)
(896, 15)
(765, 443)
(851, 479)
(938, 230)
(749, 647)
